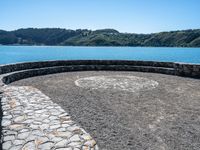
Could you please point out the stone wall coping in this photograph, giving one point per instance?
(140, 61)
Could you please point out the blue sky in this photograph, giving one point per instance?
(135, 16)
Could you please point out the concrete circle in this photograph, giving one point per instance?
(117, 82)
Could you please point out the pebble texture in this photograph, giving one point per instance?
(31, 121)
(117, 82)
(162, 118)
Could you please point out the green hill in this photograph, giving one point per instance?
(105, 37)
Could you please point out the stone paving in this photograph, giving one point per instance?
(117, 82)
(32, 121)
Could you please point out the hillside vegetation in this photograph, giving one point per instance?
(105, 37)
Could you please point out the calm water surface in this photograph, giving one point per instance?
(13, 54)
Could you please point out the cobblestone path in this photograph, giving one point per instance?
(31, 121)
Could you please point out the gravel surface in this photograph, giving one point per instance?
(164, 116)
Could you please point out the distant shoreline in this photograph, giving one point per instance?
(98, 38)
(96, 46)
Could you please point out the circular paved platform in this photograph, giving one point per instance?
(128, 110)
(116, 82)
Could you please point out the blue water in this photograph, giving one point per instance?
(13, 54)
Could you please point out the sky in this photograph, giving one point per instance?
(133, 16)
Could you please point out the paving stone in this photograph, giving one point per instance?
(66, 134)
(23, 135)
(44, 116)
(65, 125)
(6, 145)
(18, 147)
(63, 114)
(40, 111)
(75, 138)
(46, 146)
(16, 127)
(90, 143)
(52, 118)
(75, 144)
(18, 142)
(5, 122)
(23, 130)
(66, 148)
(56, 139)
(70, 122)
(31, 137)
(28, 111)
(9, 132)
(86, 137)
(28, 121)
(62, 143)
(37, 123)
(33, 126)
(73, 128)
(7, 117)
(39, 140)
(37, 133)
(30, 146)
(61, 129)
(54, 126)
(85, 148)
(9, 138)
(46, 121)
(19, 119)
(54, 122)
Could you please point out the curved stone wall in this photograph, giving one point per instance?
(42, 64)
(24, 70)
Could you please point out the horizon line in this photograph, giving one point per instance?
(175, 30)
